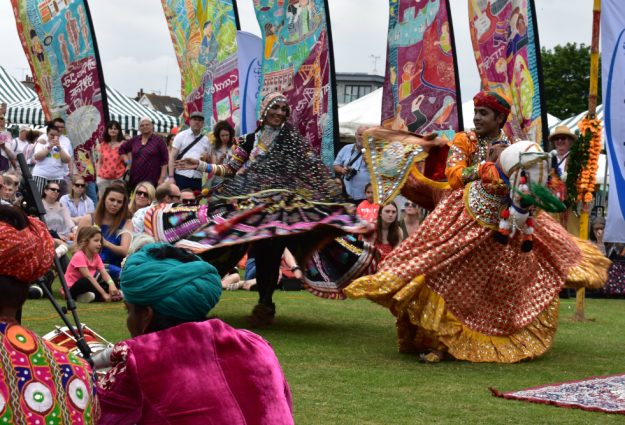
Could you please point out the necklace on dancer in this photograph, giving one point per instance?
(484, 143)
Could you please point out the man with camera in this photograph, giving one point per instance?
(351, 167)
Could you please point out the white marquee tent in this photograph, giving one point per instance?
(367, 110)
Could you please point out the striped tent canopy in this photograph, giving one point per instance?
(128, 112)
(24, 107)
(572, 122)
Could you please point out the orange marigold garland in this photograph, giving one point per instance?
(584, 162)
(586, 182)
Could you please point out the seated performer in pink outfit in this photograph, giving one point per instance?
(179, 367)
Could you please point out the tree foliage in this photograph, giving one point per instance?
(566, 75)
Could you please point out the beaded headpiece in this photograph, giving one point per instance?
(269, 100)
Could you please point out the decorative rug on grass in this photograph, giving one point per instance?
(600, 394)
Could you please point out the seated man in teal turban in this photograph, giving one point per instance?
(180, 367)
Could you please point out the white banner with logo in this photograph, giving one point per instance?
(250, 50)
(613, 75)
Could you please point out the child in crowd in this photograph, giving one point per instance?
(86, 276)
(367, 210)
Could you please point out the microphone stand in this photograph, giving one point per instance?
(35, 207)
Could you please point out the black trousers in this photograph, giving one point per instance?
(268, 255)
(83, 285)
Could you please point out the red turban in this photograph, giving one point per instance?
(25, 254)
(495, 101)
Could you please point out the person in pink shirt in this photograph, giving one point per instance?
(367, 210)
(86, 276)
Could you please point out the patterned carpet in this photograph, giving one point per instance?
(600, 394)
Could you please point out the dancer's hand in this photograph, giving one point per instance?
(186, 164)
(495, 151)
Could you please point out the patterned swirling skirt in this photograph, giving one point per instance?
(221, 233)
(455, 289)
(337, 264)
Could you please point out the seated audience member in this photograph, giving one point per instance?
(30, 363)
(166, 193)
(57, 215)
(111, 215)
(288, 273)
(11, 182)
(178, 366)
(143, 196)
(2, 194)
(367, 210)
(187, 197)
(86, 277)
(232, 281)
(76, 201)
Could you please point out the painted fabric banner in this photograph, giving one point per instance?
(421, 89)
(613, 74)
(298, 62)
(61, 48)
(203, 33)
(250, 59)
(505, 43)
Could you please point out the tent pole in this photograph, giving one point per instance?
(592, 111)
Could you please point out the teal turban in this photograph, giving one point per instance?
(186, 291)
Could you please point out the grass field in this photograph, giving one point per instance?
(341, 362)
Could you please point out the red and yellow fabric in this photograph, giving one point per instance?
(455, 289)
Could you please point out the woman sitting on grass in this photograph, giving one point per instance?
(178, 366)
(111, 215)
(86, 276)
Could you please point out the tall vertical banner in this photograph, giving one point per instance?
(61, 48)
(507, 51)
(203, 33)
(421, 90)
(250, 62)
(297, 61)
(613, 76)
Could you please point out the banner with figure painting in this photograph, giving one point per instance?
(421, 89)
(505, 43)
(203, 33)
(59, 42)
(297, 61)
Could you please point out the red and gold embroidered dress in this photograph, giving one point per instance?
(454, 289)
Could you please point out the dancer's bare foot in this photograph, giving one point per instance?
(434, 356)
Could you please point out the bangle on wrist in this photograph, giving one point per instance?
(110, 282)
(295, 267)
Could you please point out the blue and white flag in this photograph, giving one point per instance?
(250, 60)
(613, 73)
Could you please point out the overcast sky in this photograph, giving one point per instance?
(136, 50)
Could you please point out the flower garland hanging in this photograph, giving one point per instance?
(584, 162)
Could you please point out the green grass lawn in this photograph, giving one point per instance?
(341, 362)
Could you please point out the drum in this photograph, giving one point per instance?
(63, 339)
